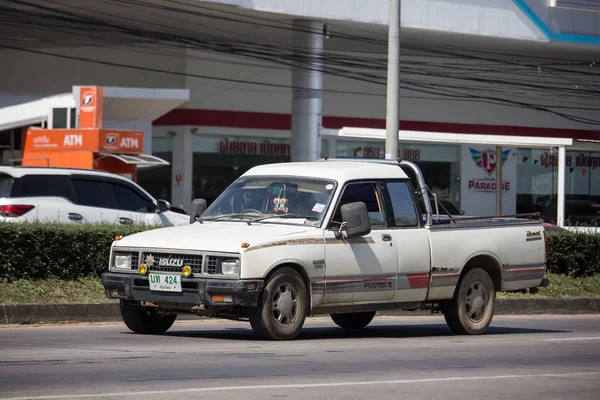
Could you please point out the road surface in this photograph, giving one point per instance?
(549, 357)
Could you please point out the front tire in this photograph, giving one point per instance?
(145, 320)
(282, 307)
(471, 310)
(357, 320)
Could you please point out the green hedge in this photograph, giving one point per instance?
(42, 250)
(575, 254)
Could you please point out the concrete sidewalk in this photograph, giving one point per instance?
(109, 312)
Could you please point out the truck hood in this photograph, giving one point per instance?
(211, 236)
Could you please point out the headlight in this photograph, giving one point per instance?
(230, 267)
(122, 262)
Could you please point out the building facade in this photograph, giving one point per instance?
(273, 81)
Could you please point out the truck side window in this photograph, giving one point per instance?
(368, 194)
(403, 206)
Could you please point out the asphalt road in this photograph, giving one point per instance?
(395, 357)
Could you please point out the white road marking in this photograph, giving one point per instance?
(572, 339)
(303, 386)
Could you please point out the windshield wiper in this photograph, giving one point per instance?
(225, 216)
(309, 217)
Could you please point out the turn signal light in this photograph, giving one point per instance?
(143, 269)
(245, 245)
(118, 237)
(186, 271)
(219, 298)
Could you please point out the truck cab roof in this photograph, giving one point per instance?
(340, 171)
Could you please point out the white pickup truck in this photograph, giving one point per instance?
(341, 237)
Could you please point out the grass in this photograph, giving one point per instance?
(562, 286)
(90, 290)
(85, 290)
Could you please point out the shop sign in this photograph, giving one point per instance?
(55, 140)
(478, 176)
(379, 153)
(581, 160)
(375, 149)
(486, 160)
(486, 185)
(264, 148)
(90, 107)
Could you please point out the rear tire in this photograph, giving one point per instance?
(282, 307)
(145, 320)
(471, 310)
(357, 320)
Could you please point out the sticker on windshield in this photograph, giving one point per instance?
(329, 186)
(319, 207)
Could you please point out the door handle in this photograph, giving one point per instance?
(125, 221)
(75, 217)
(386, 237)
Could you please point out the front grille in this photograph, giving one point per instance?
(212, 265)
(174, 262)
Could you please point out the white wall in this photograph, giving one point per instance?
(364, 100)
(499, 18)
(43, 74)
(367, 99)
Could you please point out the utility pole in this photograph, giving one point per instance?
(392, 123)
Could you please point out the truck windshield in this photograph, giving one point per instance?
(262, 198)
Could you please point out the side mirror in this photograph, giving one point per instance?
(163, 205)
(462, 212)
(197, 209)
(356, 219)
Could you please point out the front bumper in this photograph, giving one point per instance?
(195, 291)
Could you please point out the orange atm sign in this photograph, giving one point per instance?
(94, 140)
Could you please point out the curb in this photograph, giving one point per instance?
(25, 314)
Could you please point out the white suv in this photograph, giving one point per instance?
(79, 196)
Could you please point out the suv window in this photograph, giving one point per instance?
(125, 198)
(6, 182)
(42, 186)
(89, 192)
(368, 194)
(402, 203)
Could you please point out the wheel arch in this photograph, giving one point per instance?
(297, 266)
(489, 263)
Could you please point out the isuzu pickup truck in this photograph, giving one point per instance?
(341, 237)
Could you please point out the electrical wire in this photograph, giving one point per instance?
(461, 81)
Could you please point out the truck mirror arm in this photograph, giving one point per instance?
(339, 233)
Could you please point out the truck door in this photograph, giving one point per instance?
(360, 269)
(411, 241)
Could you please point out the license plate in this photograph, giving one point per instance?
(165, 282)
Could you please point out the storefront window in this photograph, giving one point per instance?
(157, 180)
(538, 180)
(439, 163)
(219, 160)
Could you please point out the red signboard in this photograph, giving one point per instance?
(90, 107)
